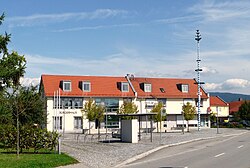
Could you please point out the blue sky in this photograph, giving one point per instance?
(144, 38)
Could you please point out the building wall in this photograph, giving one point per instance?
(223, 111)
(173, 110)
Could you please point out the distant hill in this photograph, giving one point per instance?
(229, 97)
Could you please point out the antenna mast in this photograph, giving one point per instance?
(198, 70)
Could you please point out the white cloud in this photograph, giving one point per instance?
(29, 81)
(228, 85)
(38, 19)
(96, 27)
(222, 11)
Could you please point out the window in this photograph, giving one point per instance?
(86, 86)
(111, 105)
(147, 87)
(201, 102)
(125, 87)
(184, 88)
(163, 101)
(78, 122)
(162, 90)
(57, 123)
(68, 102)
(66, 85)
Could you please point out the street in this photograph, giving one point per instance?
(229, 152)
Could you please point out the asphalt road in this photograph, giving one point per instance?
(223, 152)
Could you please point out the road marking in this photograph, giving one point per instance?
(240, 146)
(219, 155)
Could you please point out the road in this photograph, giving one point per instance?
(228, 152)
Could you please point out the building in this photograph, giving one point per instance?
(66, 95)
(219, 107)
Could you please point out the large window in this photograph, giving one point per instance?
(78, 122)
(66, 85)
(68, 102)
(111, 104)
(86, 87)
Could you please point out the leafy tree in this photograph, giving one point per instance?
(189, 112)
(128, 108)
(12, 64)
(244, 111)
(158, 108)
(213, 118)
(93, 112)
(26, 107)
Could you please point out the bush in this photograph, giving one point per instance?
(29, 138)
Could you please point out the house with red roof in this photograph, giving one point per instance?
(220, 108)
(65, 96)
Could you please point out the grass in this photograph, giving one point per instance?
(40, 160)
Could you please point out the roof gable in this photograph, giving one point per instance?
(217, 101)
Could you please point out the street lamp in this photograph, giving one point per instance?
(182, 122)
(217, 120)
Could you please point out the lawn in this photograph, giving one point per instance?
(40, 160)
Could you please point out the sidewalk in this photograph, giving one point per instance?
(114, 153)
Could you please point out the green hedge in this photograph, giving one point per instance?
(29, 138)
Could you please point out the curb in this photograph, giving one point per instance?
(142, 155)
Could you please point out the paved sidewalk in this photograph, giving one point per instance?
(114, 153)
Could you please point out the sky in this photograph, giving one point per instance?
(144, 37)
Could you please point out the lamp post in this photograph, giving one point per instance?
(217, 120)
(182, 122)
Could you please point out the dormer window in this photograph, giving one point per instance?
(184, 88)
(86, 87)
(67, 86)
(147, 87)
(125, 87)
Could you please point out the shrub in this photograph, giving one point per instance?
(30, 138)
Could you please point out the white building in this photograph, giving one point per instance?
(74, 91)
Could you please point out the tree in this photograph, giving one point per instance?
(26, 107)
(89, 111)
(158, 108)
(93, 112)
(128, 108)
(213, 118)
(189, 112)
(244, 111)
(12, 64)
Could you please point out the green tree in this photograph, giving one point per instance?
(128, 108)
(89, 111)
(26, 107)
(12, 64)
(93, 112)
(244, 111)
(213, 118)
(189, 112)
(158, 108)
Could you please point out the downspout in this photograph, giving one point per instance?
(128, 79)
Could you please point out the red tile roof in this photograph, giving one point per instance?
(101, 86)
(170, 87)
(104, 86)
(217, 101)
(234, 106)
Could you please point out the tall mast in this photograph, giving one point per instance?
(198, 70)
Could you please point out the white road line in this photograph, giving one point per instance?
(219, 155)
(240, 146)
